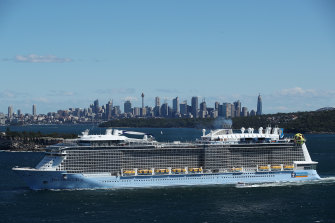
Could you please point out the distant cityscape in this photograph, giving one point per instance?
(96, 113)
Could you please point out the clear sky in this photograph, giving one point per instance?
(61, 54)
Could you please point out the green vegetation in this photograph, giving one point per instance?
(38, 134)
(318, 121)
(160, 123)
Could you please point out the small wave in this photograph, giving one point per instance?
(324, 180)
(328, 179)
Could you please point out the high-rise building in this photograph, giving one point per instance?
(85, 111)
(116, 110)
(19, 112)
(96, 107)
(143, 112)
(77, 112)
(214, 113)
(127, 107)
(237, 106)
(220, 111)
(216, 105)
(136, 111)
(244, 112)
(157, 108)
(165, 110)
(34, 110)
(150, 111)
(226, 110)
(203, 109)
(175, 103)
(10, 111)
(252, 113)
(259, 105)
(183, 108)
(109, 110)
(142, 95)
(157, 102)
(232, 112)
(195, 105)
(203, 106)
(157, 111)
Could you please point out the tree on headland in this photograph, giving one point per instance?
(318, 121)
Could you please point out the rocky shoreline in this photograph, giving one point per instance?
(18, 144)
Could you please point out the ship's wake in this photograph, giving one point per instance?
(323, 180)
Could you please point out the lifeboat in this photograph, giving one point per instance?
(263, 168)
(162, 171)
(195, 170)
(236, 169)
(129, 172)
(144, 171)
(178, 170)
(275, 167)
(288, 167)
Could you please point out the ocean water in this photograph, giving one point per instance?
(303, 202)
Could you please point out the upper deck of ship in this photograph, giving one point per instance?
(228, 136)
(114, 139)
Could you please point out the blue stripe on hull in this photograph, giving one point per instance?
(61, 180)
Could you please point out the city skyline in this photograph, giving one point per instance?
(97, 112)
(151, 102)
(66, 53)
(174, 104)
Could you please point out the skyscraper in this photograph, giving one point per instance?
(259, 105)
(183, 108)
(157, 109)
(232, 110)
(226, 110)
(165, 110)
(96, 107)
(10, 112)
(175, 105)
(34, 109)
(237, 105)
(244, 112)
(157, 102)
(116, 110)
(136, 111)
(203, 109)
(143, 112)
(127, 107)
(195, 105)
(216, 106)
(109, 109)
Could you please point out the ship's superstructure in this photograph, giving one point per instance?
(219, 157)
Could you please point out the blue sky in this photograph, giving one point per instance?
(61, 54)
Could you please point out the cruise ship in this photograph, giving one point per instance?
(220, 157)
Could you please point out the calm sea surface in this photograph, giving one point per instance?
(307, 202)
